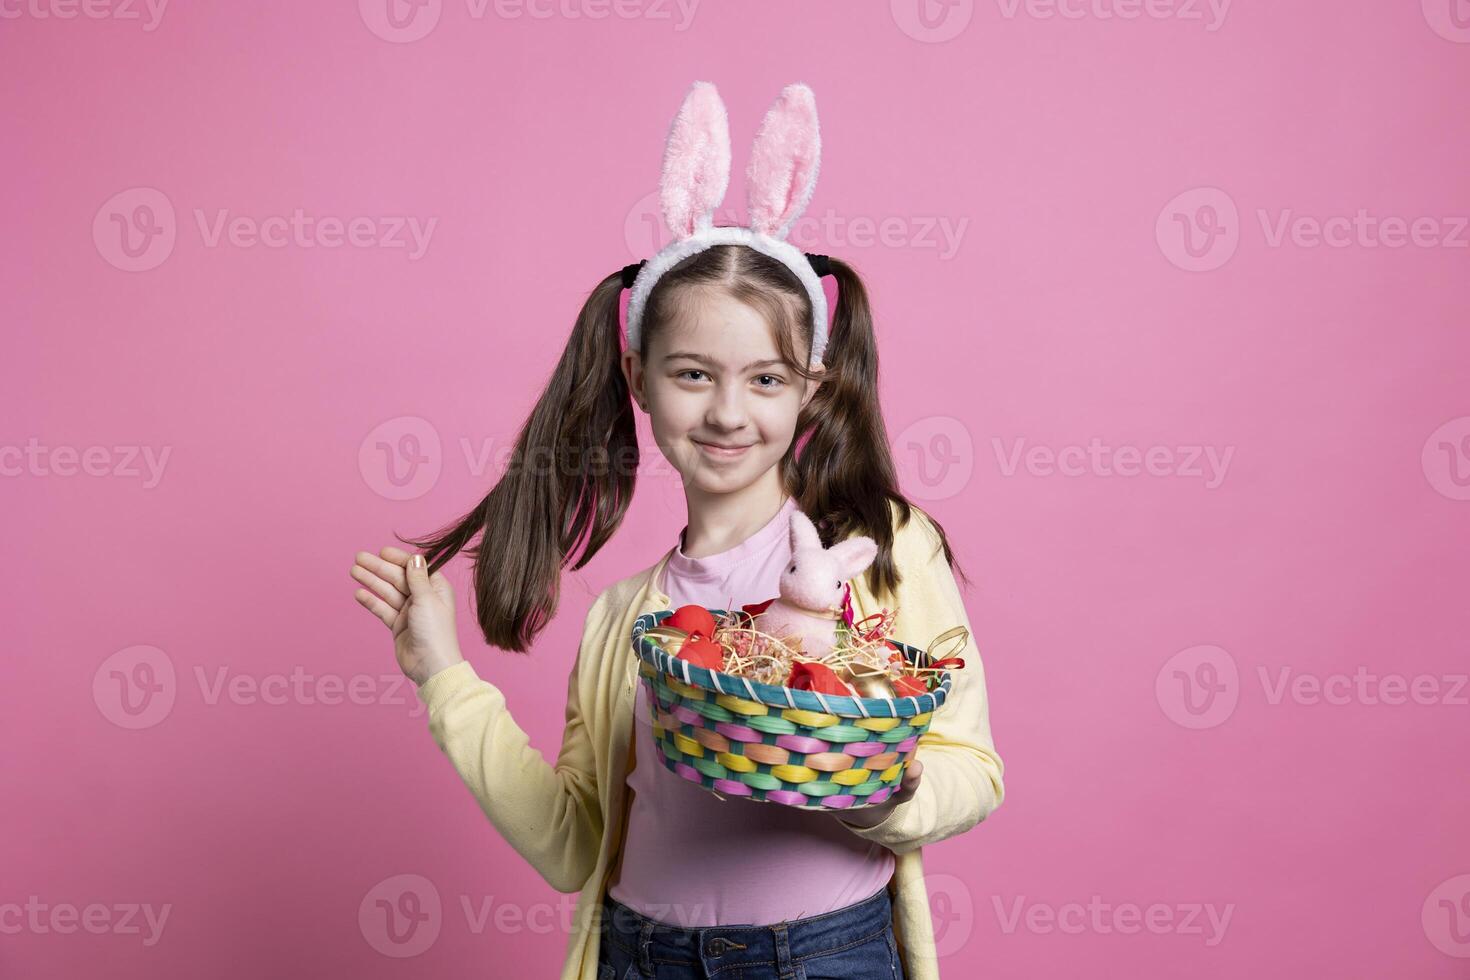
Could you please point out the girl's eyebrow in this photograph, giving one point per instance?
(700, 358)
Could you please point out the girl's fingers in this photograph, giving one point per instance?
(377, 607)
(385, 568)
(385, 591)
(418, 576)
(396, 555)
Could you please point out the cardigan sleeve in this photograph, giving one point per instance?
(550, 814)
(961, 784)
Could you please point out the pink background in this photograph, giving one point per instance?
(1069, 153)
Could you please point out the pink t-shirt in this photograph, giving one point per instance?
(691, 859)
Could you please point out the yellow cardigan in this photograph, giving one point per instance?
(567, 819)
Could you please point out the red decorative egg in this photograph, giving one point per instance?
(905, 687)
(809, 676)
(692, 619)
(701, 651)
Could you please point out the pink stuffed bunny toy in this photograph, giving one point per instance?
(810, 604)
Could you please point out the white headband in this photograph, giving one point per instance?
(779, 182)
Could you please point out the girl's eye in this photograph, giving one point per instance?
(771, 377)
(690, 371)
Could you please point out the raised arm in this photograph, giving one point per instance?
(549, 813)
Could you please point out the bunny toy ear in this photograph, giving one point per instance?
(804, 536)
(854, 555)
(696, 169)
(784, 162)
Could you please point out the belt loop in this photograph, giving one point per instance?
(783, 952)
(645, 946)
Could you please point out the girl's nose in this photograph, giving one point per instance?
(727, 410)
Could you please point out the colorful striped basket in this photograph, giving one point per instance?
(738, 737)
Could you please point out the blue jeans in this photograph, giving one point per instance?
(855, 943)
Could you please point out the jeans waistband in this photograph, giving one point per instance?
(719, 947)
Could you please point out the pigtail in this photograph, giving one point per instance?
(844, 472)
(567, 486)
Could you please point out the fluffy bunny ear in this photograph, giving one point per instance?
(784, 161)
(696, 168)
(804, 536)
(853, 555)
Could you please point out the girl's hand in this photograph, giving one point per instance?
(871, 816)
(416, 606)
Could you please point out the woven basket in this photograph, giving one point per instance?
(738, 737)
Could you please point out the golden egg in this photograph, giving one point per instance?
(867, 681)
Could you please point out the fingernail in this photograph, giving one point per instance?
(418, 561)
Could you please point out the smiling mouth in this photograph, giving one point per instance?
(722, 452)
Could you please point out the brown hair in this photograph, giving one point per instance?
(572, 472)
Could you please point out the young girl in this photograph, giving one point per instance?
(762, 410)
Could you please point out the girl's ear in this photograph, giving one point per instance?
(813, 385)
(784, 162)
(804, 536)
(632, 365)
(696, 169)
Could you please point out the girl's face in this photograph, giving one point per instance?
(722, 404)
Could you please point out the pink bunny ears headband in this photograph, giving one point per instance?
(779, 182)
